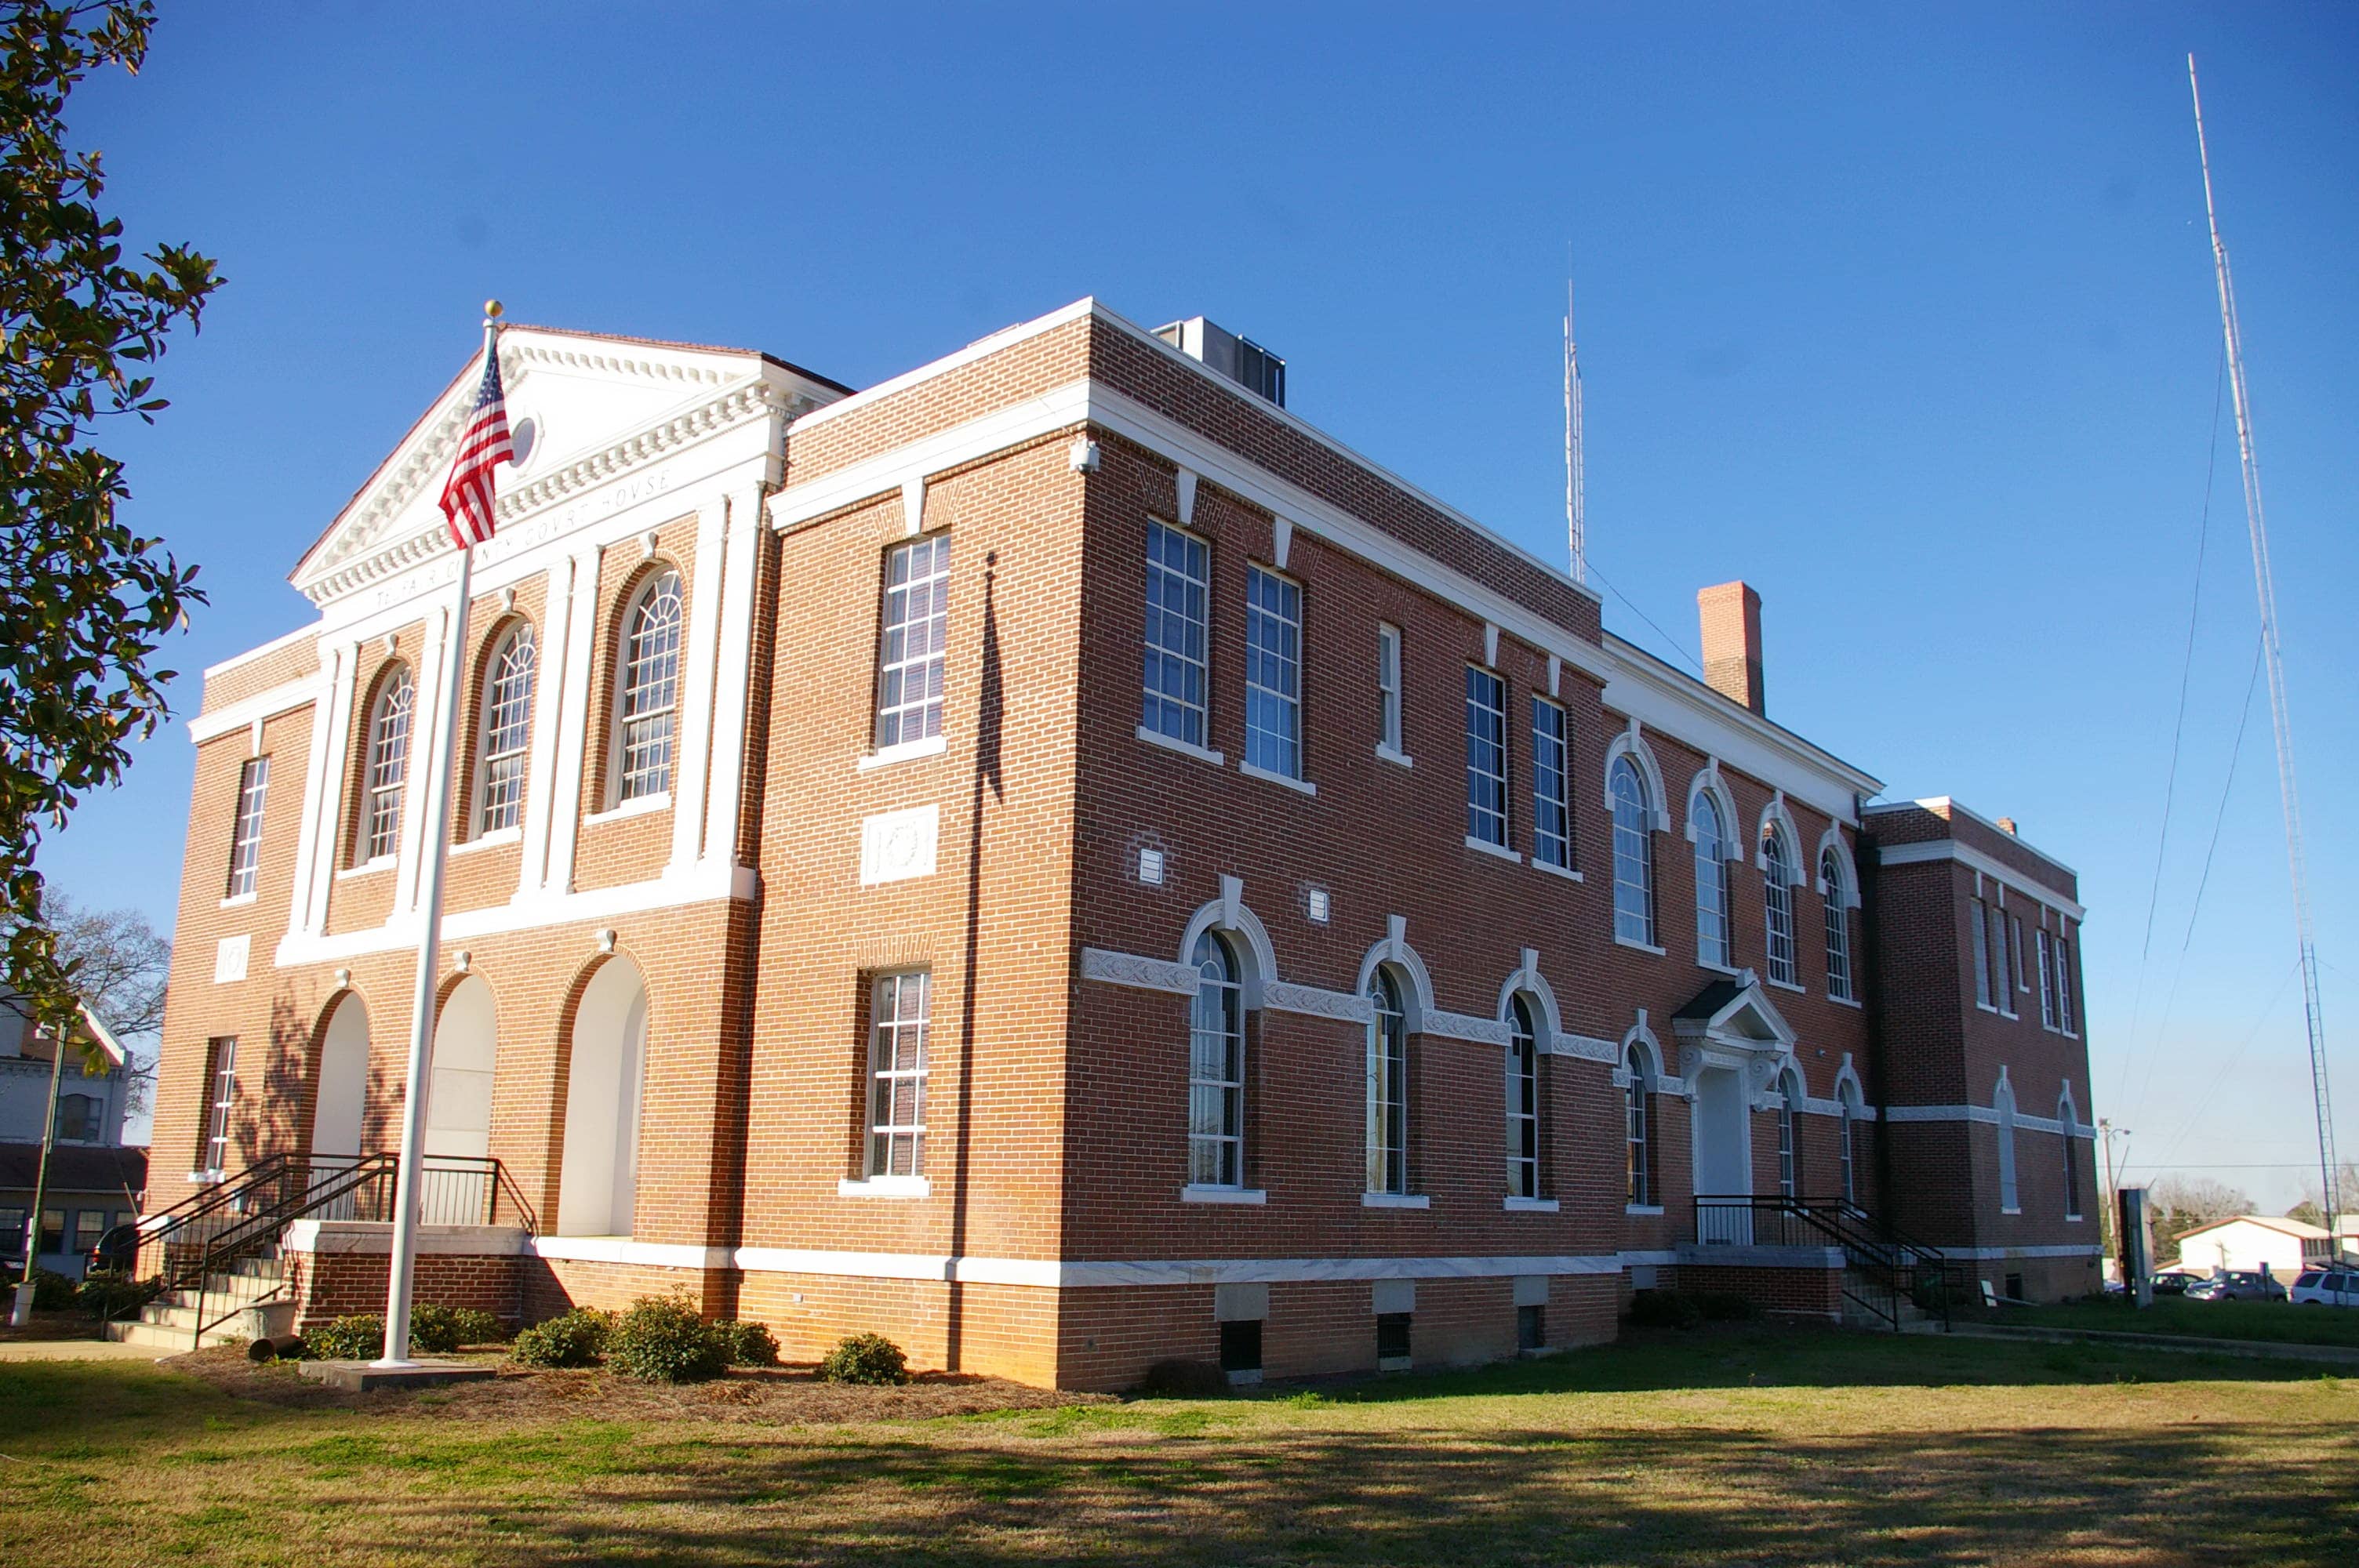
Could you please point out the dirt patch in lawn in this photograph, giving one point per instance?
(779, 1396)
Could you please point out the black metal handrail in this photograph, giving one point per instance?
(1882, 1268)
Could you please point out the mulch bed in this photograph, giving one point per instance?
(72, 1324)
(767, 1396)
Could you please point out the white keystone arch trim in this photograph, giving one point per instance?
(1632, 743)
(1848, 1075)
(1776, 814)
(1707, 780)
(1139, 972)
(1526, 978)
(1832, 838)
(1229, 916)
(1666, 1083)
(1394, 949)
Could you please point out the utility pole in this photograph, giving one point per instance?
(2107, 1131)
(21, 1311)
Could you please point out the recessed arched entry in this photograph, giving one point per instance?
(340, 1091)
(606, 1059)
(455, 1190)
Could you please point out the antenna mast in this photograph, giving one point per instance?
(1576, 520)
(2264, 586)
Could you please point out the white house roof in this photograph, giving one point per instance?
(2300, 1227)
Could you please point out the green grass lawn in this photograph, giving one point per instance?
(2209, 1320)
(1754, 1446)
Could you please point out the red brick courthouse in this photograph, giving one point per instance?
(1055, 860)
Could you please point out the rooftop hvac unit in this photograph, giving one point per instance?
(1242, 360)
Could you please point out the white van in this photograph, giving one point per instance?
(2321, 1287)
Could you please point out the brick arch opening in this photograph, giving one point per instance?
(339, 1080)
(605, 1069)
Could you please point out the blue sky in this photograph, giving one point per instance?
(1909, 322)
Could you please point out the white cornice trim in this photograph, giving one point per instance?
(1083, 1273)
(623, 1249)
(1932, 850)
(242, 714)
(982, 348)
(1987, 1116)
(309, 629)
(1938, 804)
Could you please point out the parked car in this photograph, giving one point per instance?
(116, 1251)
(2171, 1284)
(2321, 1287)
(2237, 1285)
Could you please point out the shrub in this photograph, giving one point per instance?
(660, 1339)
(865, 1359)
(1665, 1309)
(1184, 1379)
(438, 1330)
(574, 1339)
(1932, 1296)
(52, 1291)
(1724, 1306)
(746, 1344)
(112, 1295)
(358, 1338)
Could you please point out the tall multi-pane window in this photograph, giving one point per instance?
(1487, 756)
(2015, 953)
(221, 1096)
(1388, 688)
(1551, 793)
(2001, 992)
(1179, 583)
(1777, 894)
(245, 838)
(1523, 1101)
(2047, 982)
(896, 1075)
(1789, 1151)
(2009, 1198)
(389, 764)
(1849, 1118)
(1274, 673)
(1637, 1101)
(1975, 908)
(1838, 917)
(913, 641)
(1388, 1088)
(2068, 1119)
(507, 729)
(650, 706)
(1634, 856)
(1216, 1069)
(1712, 882)
(2063, 985)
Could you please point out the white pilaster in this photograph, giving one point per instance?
(436, 662)
(572, 737)
(549, 685)
(315, 840)
(732, 679)
(690, 762)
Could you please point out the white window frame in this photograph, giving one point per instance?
(1523, 1087)
(1637, 1126)
(1978, 914)
(912, 641)
(1216, 1068)
(1633, 854)
(1273, 672)
(2010, 1195)
(246, 833)
(1388, 691)
(2064, 985)
(897, 1142)
(1790, 1147)
(222, 1094)
(506, 743)
(2002, 961)
(647, 688)
(1715, 937)
(1388, 1088)
(1182, 715)
(1784, 963)
(392, 724)
(1838, 927)
(2047, 980)
(1551, 784)
(2067, 1117)
(1486, 779)
(1847, 1154)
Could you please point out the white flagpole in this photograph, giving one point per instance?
(437, 831)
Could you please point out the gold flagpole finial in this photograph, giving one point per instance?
(491, 311)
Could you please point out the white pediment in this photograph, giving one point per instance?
(1746, 1019)
(592, 408)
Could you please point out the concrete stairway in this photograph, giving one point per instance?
(1913, 1318)
(170, 1320)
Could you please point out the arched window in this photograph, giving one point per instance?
(649, 709)
(1216, 1069)
(1848, 1097)
(1638, 1104)
(1712, 882)
(1633, 866)
(1777, 871)
(389, 764)
(1789, 1146)
(2068, 1119)
(2009, 1200)
(1523, 1101)
(1387, 1087)
(507, 730)
(1838, 902)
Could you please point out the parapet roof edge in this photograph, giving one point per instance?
(1767, 730)
(1942, 802)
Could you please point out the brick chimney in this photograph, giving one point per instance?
(2007, 826)
(1731, 614)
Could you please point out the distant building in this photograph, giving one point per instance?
(2251, 1242)
(1058, 859)
(95, 1180)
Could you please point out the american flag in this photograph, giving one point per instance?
(467, 498)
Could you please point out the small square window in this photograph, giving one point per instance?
(1391, 1338)
(1240, 1346)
